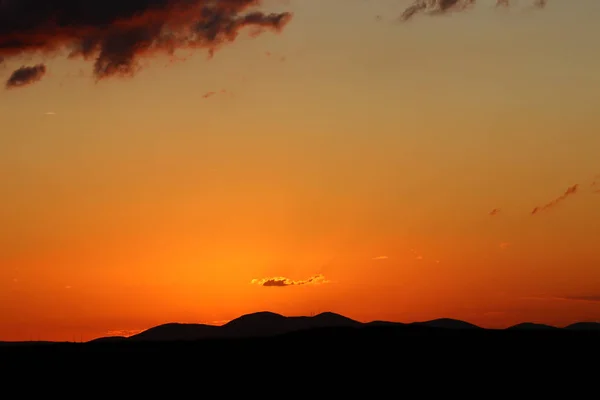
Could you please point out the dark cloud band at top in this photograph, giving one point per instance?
(115, 34)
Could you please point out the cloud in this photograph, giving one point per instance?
(380, 258)
(494, 212)
(25, 76)
(124, 332)
(593, 298)
(435, 7)
(569, 192)
(589, 299)
(210, 94)
(281, 281)
(438, 7)
(117, 34)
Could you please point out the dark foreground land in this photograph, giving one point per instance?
(361, 354)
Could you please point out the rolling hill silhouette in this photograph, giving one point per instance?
(258, 324)
(269, 324)
(532, 326)
(584, 326)
(448, 323)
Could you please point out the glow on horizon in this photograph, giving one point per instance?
(359, 165)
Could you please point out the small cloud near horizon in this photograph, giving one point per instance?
(281, 281)
(589, 299)
(380, 258)
(123, 332)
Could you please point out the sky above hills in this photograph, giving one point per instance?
(299, 156)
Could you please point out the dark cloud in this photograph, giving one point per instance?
(437, 7)
(25, 76)
(116, 34)
(569, 192)
(281, 281)
(494, 212)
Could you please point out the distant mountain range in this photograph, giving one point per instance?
(266, 324)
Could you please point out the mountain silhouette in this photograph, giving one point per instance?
(584, 326)
(532, 326)
(177, 332)
(269, 324)
(447, 323)
(258, 324)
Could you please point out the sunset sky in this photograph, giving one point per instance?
(351, 162)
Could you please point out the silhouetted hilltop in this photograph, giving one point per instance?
(584, 326)
(175, 332)
(532, 326)
(109, 339)
(258, 324)
(448, 323)
(333, 319)
(384, 323)
(268, 324)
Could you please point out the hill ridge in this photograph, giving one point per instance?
(268, 324)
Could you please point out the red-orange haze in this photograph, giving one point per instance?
(387, 170)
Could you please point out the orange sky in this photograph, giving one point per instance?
(363, 152)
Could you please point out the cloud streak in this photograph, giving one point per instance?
(494, 212)
(281, 281)
(115, 35)
(588, 299)
(438, 7)
(123, 332)
(569, 192)
(25, 76)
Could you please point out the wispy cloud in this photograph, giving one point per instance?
(123, 332)
(594, 298)
(494, 212)
(504, 245)
(211, 94)
(281, 281)
(440, 7)
(569, 192)
(381, 258)
(596, 184)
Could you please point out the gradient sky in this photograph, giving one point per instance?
(358, 150)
